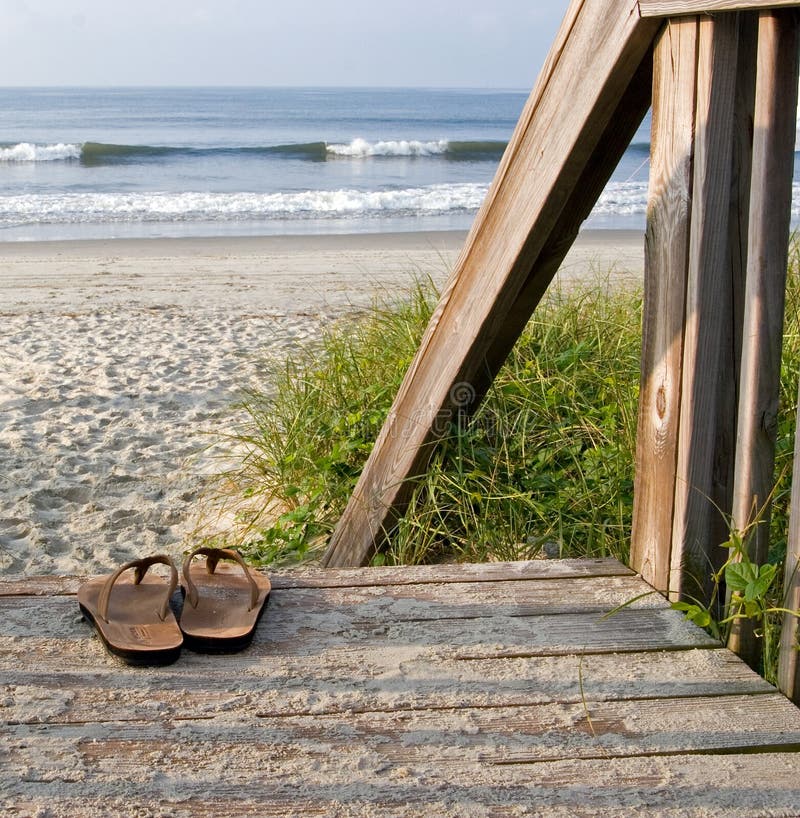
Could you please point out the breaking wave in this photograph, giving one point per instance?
(101, 153)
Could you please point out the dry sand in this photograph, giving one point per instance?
(121, 363)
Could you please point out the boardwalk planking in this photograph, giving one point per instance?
(501, 690)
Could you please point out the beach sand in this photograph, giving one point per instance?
(121, 363)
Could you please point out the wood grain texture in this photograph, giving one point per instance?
(597, 54)
(332, 683)
(789, 652)
(666, 260)
(770, 217)
(698, 527)
(408, 697)
(673, 8)
(314, 577)
(745, 785)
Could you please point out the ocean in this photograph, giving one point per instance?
(147, 162)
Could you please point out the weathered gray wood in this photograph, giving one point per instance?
(673, 8)
(744, 786)
(491, 735)
(305, 633)
(410, 679)
(789, 652)
(738, 227)
(666, 259)
(698, 526)
(314, 577)
(770, 216)
(627, 118)
(599, 50)
(359, 698)
(410, 602)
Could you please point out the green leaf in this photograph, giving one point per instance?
(766, 576)
(701, 618)
(739, 574)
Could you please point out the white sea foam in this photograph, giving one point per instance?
(622, 199)
(88, 208)
(360, 148)
(30, 152)
(618, 199)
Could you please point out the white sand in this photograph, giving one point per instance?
(121, 361)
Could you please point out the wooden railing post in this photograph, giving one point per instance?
(789, 655)
(686, 417)
(770, 215)
(665, 266)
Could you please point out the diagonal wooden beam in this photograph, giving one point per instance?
(510, 252)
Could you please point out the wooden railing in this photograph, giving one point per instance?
(723, 89)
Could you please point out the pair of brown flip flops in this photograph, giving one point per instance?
(132, 614)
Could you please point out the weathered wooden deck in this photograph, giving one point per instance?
(449, 691)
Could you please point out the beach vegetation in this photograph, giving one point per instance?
(543, 469)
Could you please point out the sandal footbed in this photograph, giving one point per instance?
(132, 629)
(221, 620)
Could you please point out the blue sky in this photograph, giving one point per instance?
(470, 43)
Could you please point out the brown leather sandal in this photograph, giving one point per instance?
(222, 603)
(132, 615)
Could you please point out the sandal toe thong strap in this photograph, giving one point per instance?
(213, 556)
(140, 569)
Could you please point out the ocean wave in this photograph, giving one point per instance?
(622, 199)
(360, 148)
(92, 154)
(91, 208)
(630, 199)
(30, 152)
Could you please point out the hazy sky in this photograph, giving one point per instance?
(501, 43)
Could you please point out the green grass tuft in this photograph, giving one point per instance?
(546, 464)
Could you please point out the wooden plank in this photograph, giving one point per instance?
(770, 217)
(361, 699)
(314, 577)
(666, 259)
(58, 631)
(423, 602)
(698, 525)
(407, 679)
(744, 786)
(329, 749)
(789, 651)
(599, 50)
(674, 8)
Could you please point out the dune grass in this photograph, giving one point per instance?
(544, 468)
(545, 465)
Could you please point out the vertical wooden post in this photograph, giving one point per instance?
(789, 655)
(698, 525)
(666, 259)
(770, 214)
(694, 260)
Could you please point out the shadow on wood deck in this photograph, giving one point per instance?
(493, 689)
